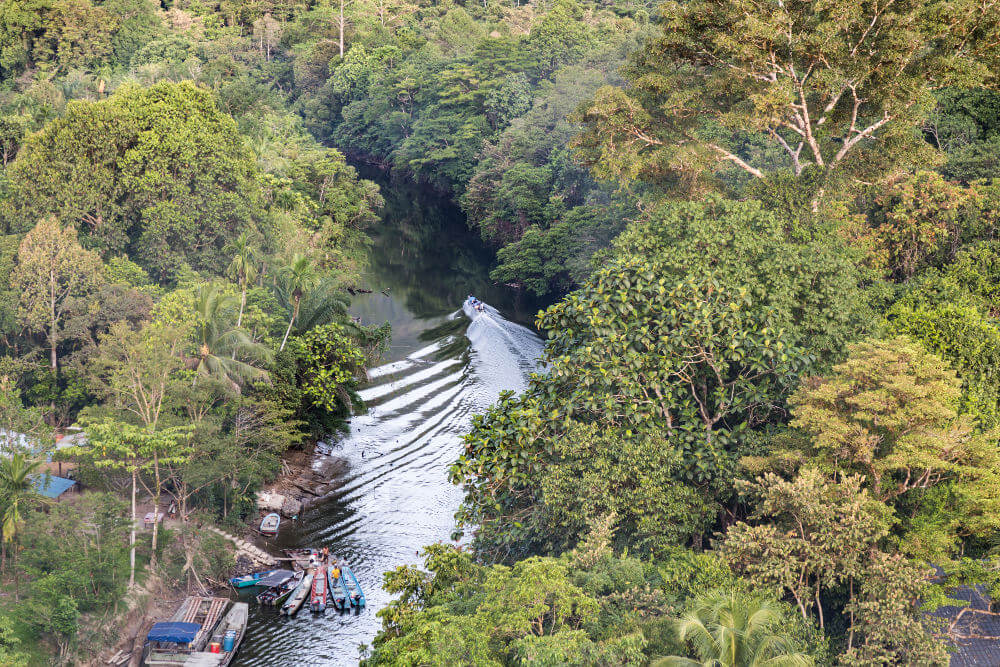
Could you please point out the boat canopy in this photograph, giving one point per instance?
(174, 631)
(275, 578)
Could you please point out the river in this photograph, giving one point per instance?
(444, 365)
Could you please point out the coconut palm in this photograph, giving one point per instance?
(243, 267)
(323, 304)
(727, 629)
(219, 342)
(297, 278)
(17, 494)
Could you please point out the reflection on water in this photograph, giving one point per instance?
(445, 365)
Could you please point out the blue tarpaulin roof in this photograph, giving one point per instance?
(174, 631)
(52, 486)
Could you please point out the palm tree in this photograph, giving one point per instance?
(243, 267)
(727, 629)
(297, 278)
(323, 304)
(17, 493)
(219, 342)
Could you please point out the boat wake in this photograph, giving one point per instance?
(396, 497)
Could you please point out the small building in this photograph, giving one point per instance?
(51, 486)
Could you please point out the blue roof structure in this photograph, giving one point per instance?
(51, 486)
(174, 632)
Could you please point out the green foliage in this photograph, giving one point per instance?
(804, 275)
(815, 537)
(652, 385)
(73, 572)
(10, 643)
(586, 607)
(922, 221)
(160, 173)
(730, 630)
(890, 413)
(701, 102)
(329, 362)
(966, 126)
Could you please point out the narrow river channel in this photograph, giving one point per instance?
(444, 366)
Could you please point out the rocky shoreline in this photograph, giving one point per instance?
(309, 476)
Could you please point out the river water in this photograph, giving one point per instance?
(445, 365)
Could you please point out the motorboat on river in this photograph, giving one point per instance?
(338, 591)
(354, 592)
(255, 578)
(277, 593)
(298, 596)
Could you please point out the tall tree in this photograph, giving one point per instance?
(219, 342)
(890, 413)
(51, 269)
(117, 445)
(243, 267)
(159, 171)
(134, 370)
(298, 277)
(837, 89)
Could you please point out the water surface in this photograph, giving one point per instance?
(445, 365)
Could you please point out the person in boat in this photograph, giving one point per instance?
(335, 572)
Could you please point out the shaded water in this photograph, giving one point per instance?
(445, 365)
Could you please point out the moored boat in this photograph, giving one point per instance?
(255, 578)
(354, 592)
(338, 592)
(317, 599)
(269, 524)
(276, 594)
(298, 596)
(230, 631)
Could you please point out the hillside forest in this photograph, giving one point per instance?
(766, 426)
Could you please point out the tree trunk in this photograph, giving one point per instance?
(295, 314)
(243, 303)
(341, 28)
(156, 511)
(131, 539)
(17, 579)
(53, 362)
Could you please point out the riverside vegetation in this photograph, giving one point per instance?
(770, 398)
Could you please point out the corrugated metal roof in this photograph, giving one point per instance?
(51, 486)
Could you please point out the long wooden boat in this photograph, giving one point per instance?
(230, 631)
(354, 592)
(269, 524)
(277, 594)
(252, 579)
(317, 598)
(338, 591)
(298, 596)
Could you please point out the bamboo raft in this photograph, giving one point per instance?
(206, 611)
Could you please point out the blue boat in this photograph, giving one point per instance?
(338, 591)
(354, 592)
(253, 579)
